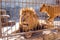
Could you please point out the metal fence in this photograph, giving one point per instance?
(10, 13)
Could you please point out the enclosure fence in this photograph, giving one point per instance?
(9, 15)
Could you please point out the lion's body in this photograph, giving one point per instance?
(52, 11)
(28, 19)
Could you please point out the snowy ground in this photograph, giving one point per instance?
(10, 29)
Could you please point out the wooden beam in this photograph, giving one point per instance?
(1, 10)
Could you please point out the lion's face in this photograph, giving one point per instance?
(43, 8)
(28, 18)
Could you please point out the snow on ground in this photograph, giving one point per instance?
(11, 29)
(56, 23)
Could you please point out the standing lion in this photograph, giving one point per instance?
(52, 11)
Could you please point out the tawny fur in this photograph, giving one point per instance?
(52, 11)
(28, 19)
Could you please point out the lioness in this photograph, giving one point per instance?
(52, 11)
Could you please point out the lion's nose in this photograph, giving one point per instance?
(23, 19)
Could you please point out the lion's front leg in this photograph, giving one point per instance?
(49, 22)
(50, 19)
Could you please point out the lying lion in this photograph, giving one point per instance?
(52, 11)
(28, 19)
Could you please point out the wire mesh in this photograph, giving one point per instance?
(12, 8)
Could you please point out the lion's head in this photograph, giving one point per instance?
(28, 18)
(44, 8)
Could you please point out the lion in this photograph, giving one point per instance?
(52, 11)
(28, 19)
